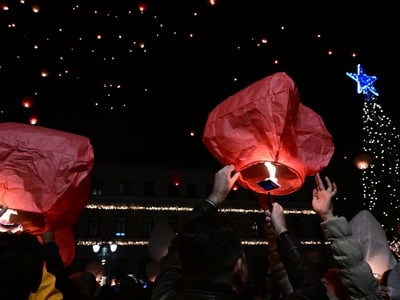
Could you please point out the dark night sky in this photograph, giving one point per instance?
(153, 76)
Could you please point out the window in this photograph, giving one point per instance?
(93, 226)
(147, 226)
(149, 188)
(97, 187)
(120, 229)
(123, 188)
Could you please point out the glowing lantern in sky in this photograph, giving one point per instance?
(362, 161)
(35, 8)
(269, 136)
(44, 72)
(27, 102)
(142, 7)
(33, 119)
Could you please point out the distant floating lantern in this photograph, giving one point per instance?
(27, 102)
(176, 180)
(362, 161)
(33, 119)
(269, 136)
(35, 8)
(142, 7)
(44, 73)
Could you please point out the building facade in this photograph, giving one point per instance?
(138, 207)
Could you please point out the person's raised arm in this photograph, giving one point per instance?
(322, 197)
(276, 219)
(224, 180)
(165, 285)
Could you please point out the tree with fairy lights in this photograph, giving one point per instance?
(380, 143)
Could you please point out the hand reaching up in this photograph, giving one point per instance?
(322, 197)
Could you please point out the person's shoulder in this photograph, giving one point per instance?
(47, 289)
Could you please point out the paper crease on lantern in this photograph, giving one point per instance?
(44, 176)
(266, 122)
(366, 228)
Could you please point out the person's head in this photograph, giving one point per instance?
(22, 261)
(85, 282)
(210, 250)
(96, 268)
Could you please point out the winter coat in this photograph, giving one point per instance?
(356, 274)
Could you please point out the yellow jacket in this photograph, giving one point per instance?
(47, 289)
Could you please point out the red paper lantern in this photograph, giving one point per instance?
(266, 123)
(45, 177)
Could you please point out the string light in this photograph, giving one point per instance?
(136, 207)
(252, 242)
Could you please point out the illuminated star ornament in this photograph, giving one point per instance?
(364, 82)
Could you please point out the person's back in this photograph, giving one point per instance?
(212, 257)
(22, 260)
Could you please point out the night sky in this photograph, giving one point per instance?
(138, 77)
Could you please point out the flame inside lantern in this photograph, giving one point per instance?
(270, 183)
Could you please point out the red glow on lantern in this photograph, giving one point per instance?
(44, 72)
(176, 180)
(142, 7)
(35, 8)
(33, 120)
(362, 161)
(4, 6)
(27, 102)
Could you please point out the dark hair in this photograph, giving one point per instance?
(208, 247)
(22, 261)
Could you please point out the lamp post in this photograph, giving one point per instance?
(104, 250)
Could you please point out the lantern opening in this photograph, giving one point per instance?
(262, 178)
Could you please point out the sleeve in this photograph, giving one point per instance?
(356, 274)
(305, 281)
(276, 267)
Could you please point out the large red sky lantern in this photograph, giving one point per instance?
(269, 136)
(45, 180)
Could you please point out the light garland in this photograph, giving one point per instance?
(135, 207)
(253, 242)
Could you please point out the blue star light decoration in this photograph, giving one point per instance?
(364, 82)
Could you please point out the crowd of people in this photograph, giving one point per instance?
(206, 260)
